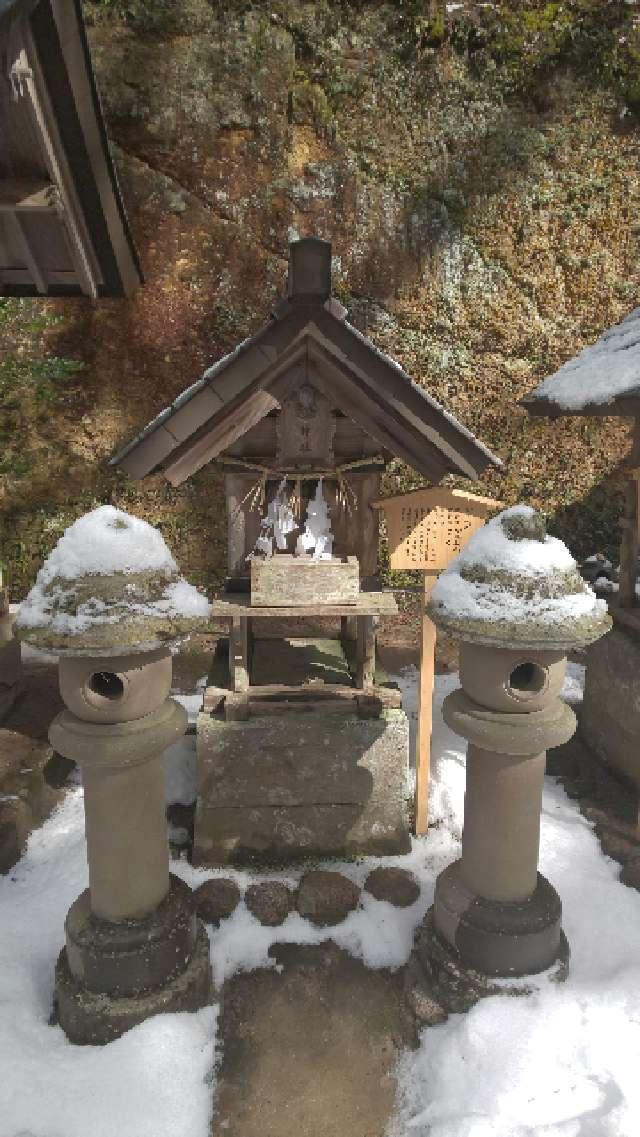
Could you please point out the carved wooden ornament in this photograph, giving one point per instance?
(306, 426)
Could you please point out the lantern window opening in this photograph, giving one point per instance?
(527, 679)
(106, 685)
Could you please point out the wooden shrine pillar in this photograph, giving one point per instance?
(240, 541)
(367, 487)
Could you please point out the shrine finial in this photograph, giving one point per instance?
(309, 269)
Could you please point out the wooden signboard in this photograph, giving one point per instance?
(426, 530)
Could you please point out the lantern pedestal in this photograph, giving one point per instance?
(455, 986)
(517, 603)
(492, 906)
(134, 946)
(112, 976)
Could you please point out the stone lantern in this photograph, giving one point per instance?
(517, 603)
(110, 602)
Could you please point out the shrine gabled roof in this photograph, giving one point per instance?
(604, 379)
(309, 329)
(63, 228)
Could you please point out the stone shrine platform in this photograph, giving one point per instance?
(315, 769)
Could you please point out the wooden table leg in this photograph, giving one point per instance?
(348, 629)
(425, 713)
(238, 655)
(365, 653)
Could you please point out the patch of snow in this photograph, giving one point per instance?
(609, 369)
(106, 540)
(468, 599)
(573, 689)
(181, 599)
(490, 548)
(192, 702)
(152, 1082)
(561, 1062)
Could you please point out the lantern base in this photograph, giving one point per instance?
(129, 957)
(455, 987)
(90, 1018)
(494, 937)
(112, 976)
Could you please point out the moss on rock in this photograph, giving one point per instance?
(480, 190)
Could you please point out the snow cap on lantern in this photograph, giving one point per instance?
(515, 586)
(110, 584)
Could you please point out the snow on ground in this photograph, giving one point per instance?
(193, 701)
(152, 1082)
(558, 1063)
(561, 1062)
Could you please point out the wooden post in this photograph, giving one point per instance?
(366, 653)
(367, 487)
(349, 629)
(426, 529)
(425, 712)
(238, 655)
(237, 486)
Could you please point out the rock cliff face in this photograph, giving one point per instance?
(476, 171)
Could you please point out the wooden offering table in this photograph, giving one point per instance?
(356, 683)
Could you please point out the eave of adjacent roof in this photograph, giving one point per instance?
(70, 90)
(603, 380)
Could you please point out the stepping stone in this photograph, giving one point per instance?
(216, 899)
(270, 902)
(396, 886)
(310, 1049)
(326, 898)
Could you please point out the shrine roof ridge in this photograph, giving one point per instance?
(307, 327)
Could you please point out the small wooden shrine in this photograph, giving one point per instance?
(302, 743)
(604, 381)
(63, 229)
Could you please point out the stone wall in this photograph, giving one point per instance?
(478, 178)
